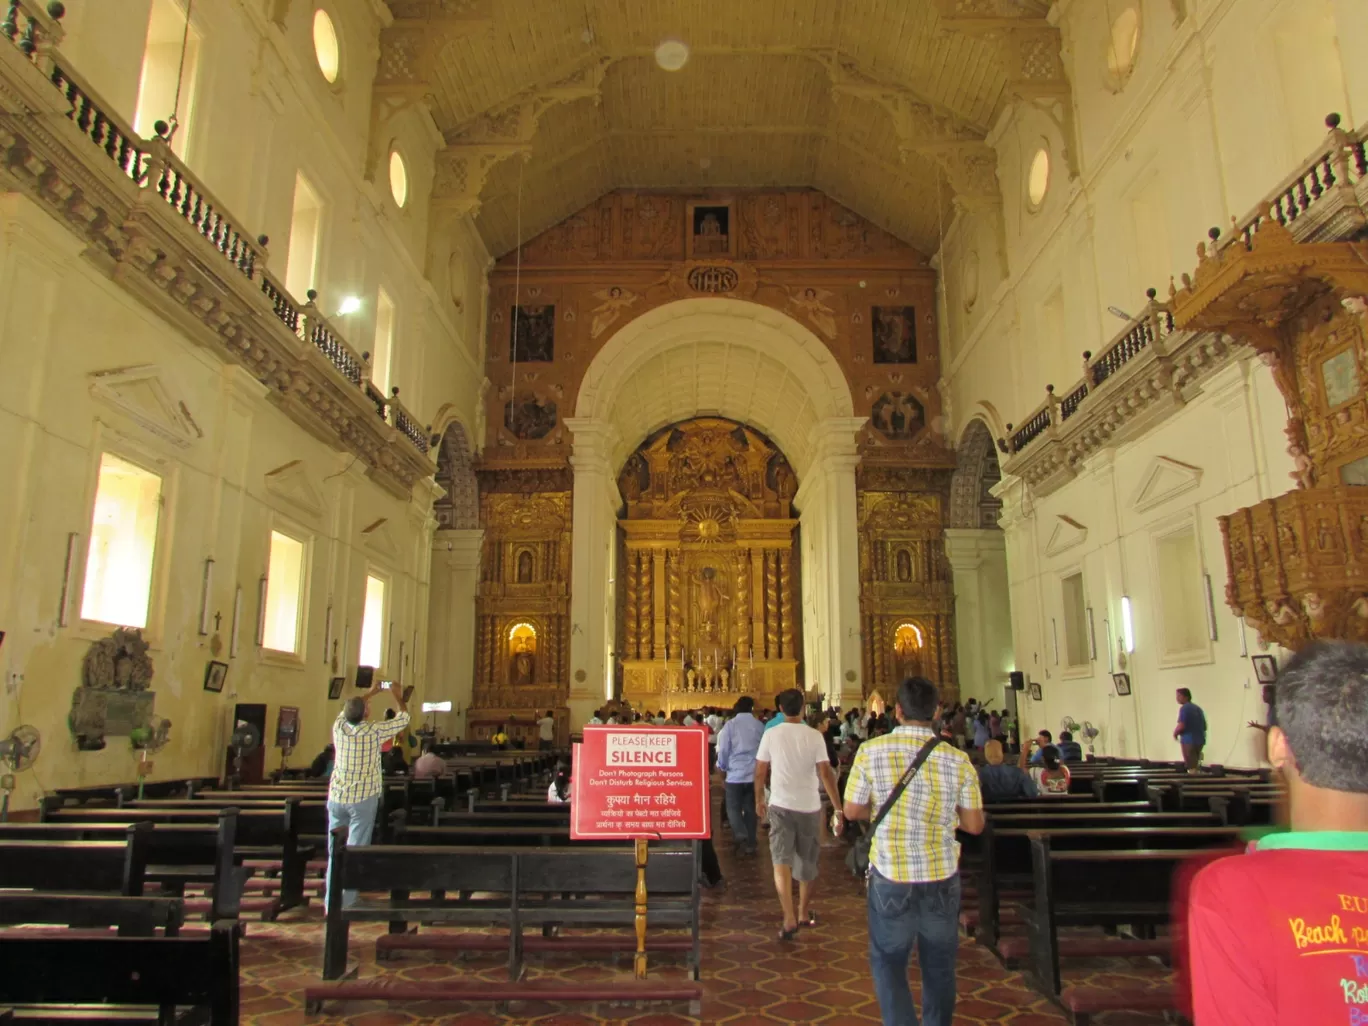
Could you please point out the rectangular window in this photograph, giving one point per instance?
(306, 221)
(161, 70)
(383, 352)
(284, 593)
(1181, 598)
(373, 624)
(1075, 622)
(123, 544)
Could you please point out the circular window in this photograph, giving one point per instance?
(1038, 178)
(398, 178)
(1123, 43)
(325, 45)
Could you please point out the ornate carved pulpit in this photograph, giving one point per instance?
(1298, 563)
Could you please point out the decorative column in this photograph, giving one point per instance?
(757, 568)
(771, 605)
(594, 520)
(657, 605)
(675, 609)
(786, 606)
(978, 562)
(452, 624)
(633, 607)
(645, 589)
(832, 474)
(741, 605)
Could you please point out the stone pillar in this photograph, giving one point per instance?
(834, 606)
(983, 619)
(594, 523)
(451, 625)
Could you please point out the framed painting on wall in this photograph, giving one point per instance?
(1036, 694)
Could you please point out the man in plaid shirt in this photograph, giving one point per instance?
(914, 885)
(356, 784)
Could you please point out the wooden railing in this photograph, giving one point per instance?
(1338, 169)
(152, 166)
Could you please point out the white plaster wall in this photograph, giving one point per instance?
(262, 112)
(1219, 109)
(1240, 462)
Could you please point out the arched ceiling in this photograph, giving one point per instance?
(719, 357)
(874, 102)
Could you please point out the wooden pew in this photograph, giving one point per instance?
(1006, 862)
(512, 884)
(109, 867)
(52, 974)
(177, 854)
(263, 834)
(1085, 888)
(132, 917)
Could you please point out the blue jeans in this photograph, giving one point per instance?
(741, 813)
(359, 819)
(925, 915)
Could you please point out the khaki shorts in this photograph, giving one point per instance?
(795, 840)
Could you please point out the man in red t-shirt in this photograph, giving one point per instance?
(1280, 935)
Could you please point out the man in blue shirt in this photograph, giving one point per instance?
(1069, 749)
(1190, 733)
(1043, 740)
(736, 747)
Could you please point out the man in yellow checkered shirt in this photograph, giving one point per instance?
(914, 884)
(357, 781)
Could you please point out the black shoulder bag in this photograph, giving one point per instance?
(857, 859)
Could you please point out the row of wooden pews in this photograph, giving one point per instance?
(1091, 875)
(443, 881)
(108, 876)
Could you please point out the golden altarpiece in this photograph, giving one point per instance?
(1297, 563)
(522, 608)
(707, 610)
(907, 596)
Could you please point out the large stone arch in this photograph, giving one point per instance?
(728, 357)
(748, 363)
(459, 508)
(972, 505)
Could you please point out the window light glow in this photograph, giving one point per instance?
(325, 45)
(123, 543)
(284, 593)
(1127, 629)
(373, 624)
(349, 305)
(398, 177)
(1038, 177)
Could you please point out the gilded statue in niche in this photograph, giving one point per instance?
(711, 230)
(709, 602)
(904, 562)
(522, 655)
(532, 331)
(524, 567)
(895, 334)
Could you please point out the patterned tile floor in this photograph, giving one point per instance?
(749, 978)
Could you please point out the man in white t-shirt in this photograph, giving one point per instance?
(546, 730)
(793, 760)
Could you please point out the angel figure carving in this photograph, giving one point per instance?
(613, 303)
(812, 302)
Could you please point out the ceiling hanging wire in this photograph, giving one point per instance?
(173, 122)
(513, 417)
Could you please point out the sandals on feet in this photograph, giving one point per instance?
(811, 920)
(788, 935)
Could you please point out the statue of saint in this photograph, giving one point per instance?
(524, 664)
(710, 600)
(524, 567)
(907, 654)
